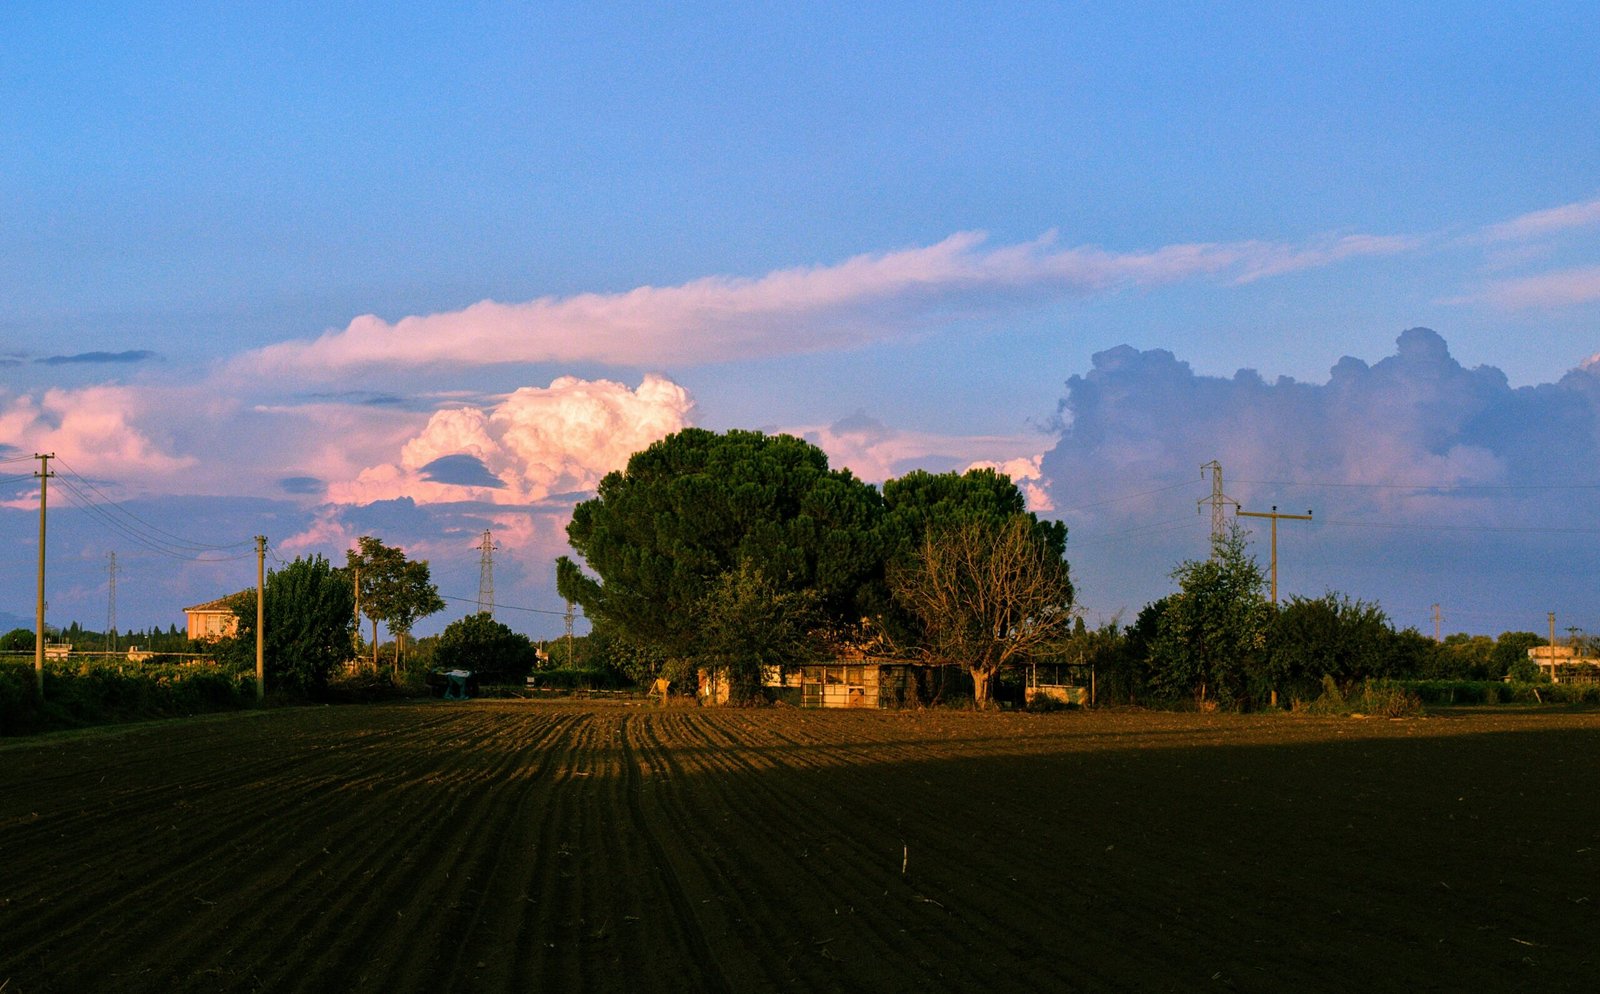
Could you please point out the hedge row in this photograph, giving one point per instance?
(1502, 692)
(101, 692)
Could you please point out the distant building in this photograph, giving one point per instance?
(214, 619)
(1565, 664)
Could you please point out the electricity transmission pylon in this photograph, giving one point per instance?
(486, 574)
(1219, 501)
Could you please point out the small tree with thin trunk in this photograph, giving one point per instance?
(988, 593)
(394, 589)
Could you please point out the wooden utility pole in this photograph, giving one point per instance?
(1274, 515)
(1438, 618)
(44, 475)
(355, 635)
(261, 617)
(568, 619)
(1550, 653)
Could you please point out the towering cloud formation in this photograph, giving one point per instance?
(1414, 461)
(537, 442)
(1417, 419)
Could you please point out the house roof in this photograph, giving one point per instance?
(221, 604)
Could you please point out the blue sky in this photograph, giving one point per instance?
(263, 271)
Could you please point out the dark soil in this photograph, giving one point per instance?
(580, 846)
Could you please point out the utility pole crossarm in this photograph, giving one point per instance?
(1275, 515)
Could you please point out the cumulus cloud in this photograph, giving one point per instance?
(535, 443)
(1027, 473)
(1413, 465)
(98, 429)
(805, 309)
(875, 452)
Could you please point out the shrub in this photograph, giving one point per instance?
(100, 692)
(578, 678)
(1380, 698)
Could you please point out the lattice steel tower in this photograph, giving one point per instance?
(486, 574)
(1219, 501)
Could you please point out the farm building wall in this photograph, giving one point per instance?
(863, 684)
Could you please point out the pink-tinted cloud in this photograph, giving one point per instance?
(1026, 473)
(103, 430)
(536, 442)
(1275, 260)
(791, 311)
(875, 452)
(1560, 288)
(1537, 224)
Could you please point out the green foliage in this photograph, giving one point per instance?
(986, 593)
(662, 535)
(1213, 631)
(1510, 655)
(607, 647)
(1378, 698)
(1331, 636)
(1446, 692)
(1122, 665)
(18, 640)
(310, 618)
(749, 623)
(99, 692)
(921, 502)
(581, 678)
(1462, 657)
(394, 590)
(1525, 670)
(484, 645)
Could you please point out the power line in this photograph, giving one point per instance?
(1424, 486)
(1528, 529)
(1123, 497)
(132, 529)
(177, 541)
(1172, 524)
(506, 607)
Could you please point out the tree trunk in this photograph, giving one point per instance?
(374, 646)
(980, 686)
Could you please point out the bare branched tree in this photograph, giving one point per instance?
(989, 593)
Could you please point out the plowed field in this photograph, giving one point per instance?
(515, 846)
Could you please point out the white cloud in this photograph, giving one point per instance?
(1026, 473)
(534, 443)
(876, 452)
(1540, 223)
(1559, 288)
(792, 311)
(102, 430)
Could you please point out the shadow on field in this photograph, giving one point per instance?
(502, 846)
